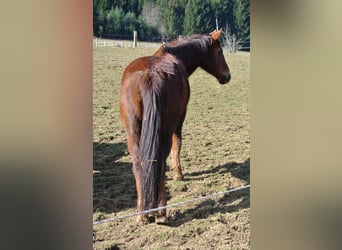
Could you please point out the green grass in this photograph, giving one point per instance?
(214, 157)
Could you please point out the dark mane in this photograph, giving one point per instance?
(190, 51)
(198, 42)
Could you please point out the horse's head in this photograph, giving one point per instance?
(214, 62)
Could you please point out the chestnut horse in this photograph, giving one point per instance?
(154, 95)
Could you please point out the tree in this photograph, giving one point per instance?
(129, 22)
(173, 17)
(100, 9)
(223, 11)
(199, 17)
(152, 18)
(151, 15)
(241, 17)
(114, 20)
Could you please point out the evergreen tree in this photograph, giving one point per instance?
(100, 9)
(223, 10)
(241, 17)
(207, 17)
(114, 20)
(170, 18)
(189, 22)
(173, 17)
(199, 17)
(129, 22)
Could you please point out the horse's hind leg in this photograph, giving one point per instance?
(137, 171)
(138, 182)
(175, 150)
(132, 126)
(161, 214)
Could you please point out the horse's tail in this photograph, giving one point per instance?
(150, 142)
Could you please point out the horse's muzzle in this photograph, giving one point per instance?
(225, 79)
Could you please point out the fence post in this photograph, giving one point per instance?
(95, 41)
(135, 38)
(234, 43)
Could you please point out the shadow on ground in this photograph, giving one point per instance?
(239, 170)
(113, 181)
(240, 199)
(114, 185)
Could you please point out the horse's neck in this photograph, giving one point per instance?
(190, 60)
(191, 70)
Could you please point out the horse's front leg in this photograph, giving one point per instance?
(175, 150)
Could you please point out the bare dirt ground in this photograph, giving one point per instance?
(214, 157)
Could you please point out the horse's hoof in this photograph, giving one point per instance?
(144, 219)
(161, 219)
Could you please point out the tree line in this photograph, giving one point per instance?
(169, 19)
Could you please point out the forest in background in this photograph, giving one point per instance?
(166, 20)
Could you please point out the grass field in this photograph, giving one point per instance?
(214, 157)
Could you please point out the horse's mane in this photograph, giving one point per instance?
(195, 42)
(190, 51)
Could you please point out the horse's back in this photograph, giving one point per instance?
(164, 75)
(159, 72)
(165, 66)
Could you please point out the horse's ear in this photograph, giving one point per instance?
(215, 35)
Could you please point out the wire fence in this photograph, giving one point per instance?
(171, 205)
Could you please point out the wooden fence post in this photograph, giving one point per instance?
(234, 43)
(135, 39)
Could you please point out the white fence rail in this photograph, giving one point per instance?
(97, 42)
(232, 46)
